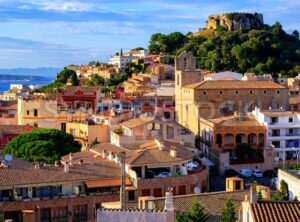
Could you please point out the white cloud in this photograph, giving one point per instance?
(24, 7)
(65, 6)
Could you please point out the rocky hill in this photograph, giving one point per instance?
(235, 21)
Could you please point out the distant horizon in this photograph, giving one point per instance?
(43, 33)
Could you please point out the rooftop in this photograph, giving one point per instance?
(137, 122)
(71, 90)
(278, 113)
(148, 153)
(235, 120)
(93, 167)
(235, 84)
(276, 211)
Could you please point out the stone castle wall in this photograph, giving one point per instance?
(235, 21)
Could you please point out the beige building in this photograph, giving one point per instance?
(46, 112)
(215, 98)
(145, 129)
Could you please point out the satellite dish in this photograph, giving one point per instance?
(8, 157)
(197, 190)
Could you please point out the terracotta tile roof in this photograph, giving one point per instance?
(278, 113)
(276, 211)
(235, 84)
(107, 182)
(234, 120)
(213, 203)
(137, 122)
(70, 90)
(91, 168)
(148, 153)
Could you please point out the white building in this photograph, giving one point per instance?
(283, 132)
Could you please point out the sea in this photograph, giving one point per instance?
(5, 84)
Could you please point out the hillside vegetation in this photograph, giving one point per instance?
(268, 50)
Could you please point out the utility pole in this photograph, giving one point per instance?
(123, 178)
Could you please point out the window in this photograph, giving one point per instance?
(236, 92)
(167, 115)
(278, 92)
(290, 119)
(35, 112)
(291, 131)
(59, 214)
(63, 127)
(238, 185)
(204, 93)
(146, 192)
(35, 124)
(274, 120)
(181, 190)
(45, 214)
(250, 91)
(27, 112)
(265, 91)
(80, 213)
(131, 196)
(157, 192)
(221, 92)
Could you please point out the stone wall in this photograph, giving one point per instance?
(235, 21)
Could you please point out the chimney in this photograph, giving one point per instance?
(66, 167)
(253, 195)
(80, 161)
(104, 153)
(173, 151)
(70, 156)
(182, 142)
(169, 207)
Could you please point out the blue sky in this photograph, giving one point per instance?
(55, 33)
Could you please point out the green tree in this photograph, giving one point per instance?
(74, 80)
(283, 193)
(42, 145)
(284, 189)
(229, 214)
(195, 214)
(95, 80)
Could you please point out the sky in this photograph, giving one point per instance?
(56, 33)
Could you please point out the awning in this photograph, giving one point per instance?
(207, 162)
(115, 182)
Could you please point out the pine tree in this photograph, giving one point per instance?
(229, 214)
(195, 214)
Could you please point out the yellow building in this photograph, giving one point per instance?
(87, 132)
(46, 112)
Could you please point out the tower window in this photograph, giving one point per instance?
(265, 91)
(221, 92)
(250, 91)
(236, 92)
(204, 93)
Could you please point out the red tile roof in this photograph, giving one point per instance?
(276, 211)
